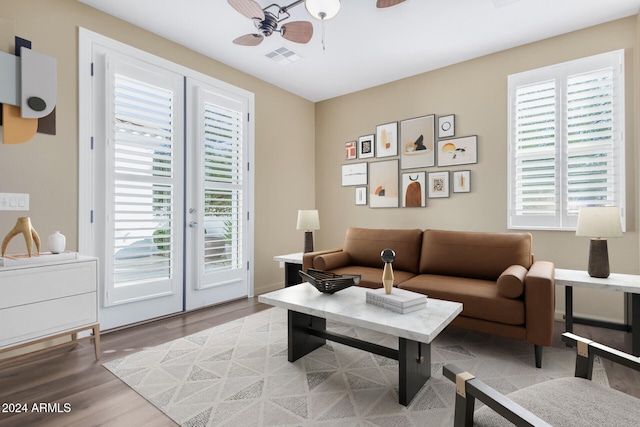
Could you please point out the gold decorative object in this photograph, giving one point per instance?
(23, 225)
(388, 256)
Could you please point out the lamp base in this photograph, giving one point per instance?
(598, 259)
(308, 241)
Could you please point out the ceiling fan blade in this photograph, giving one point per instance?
(249, 40)
(381, 4)
(297, 31)
(248, 8)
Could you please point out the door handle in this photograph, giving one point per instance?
(193, 224)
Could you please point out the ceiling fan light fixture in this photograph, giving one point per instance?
(322, 9)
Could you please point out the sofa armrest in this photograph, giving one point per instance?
(469, 388)
(307, 258)
(540, 305)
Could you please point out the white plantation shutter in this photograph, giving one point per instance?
(566, 145)
(223, 172)
(143, 151)
(591, 142)
(535, 150)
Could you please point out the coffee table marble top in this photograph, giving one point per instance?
(349, 306)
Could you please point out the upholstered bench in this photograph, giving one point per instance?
(565, 402)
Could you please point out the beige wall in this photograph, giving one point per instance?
(476, 92)
(47, 166)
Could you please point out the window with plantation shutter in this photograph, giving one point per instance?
(566, 141)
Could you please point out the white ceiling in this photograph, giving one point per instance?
(365, 46)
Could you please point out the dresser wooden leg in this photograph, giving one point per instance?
(96, 340)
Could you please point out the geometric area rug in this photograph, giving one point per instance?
(237, 374)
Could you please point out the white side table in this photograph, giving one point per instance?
(629, 283)
(292, 264)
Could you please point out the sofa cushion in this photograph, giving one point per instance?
(480, 298)
(476, 255)
(331, 260)
(364, 246)
(372, 277)
(511, 281)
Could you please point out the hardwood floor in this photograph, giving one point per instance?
(89, 395)
(94, 396)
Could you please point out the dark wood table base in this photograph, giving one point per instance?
(307, 333)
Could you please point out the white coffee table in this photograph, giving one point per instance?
(309, 310)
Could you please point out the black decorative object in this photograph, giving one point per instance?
(387, 255)
(327, 282)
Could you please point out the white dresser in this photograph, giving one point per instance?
(40, 302)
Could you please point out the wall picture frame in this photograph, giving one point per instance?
(414, 190)
(447, 126)
(387, 140)
(438, 184)
(417, 142)
(351, 150)
(361, 196)
(354, 174)
(458, 151)
(462, 181)
(366, 146)
(383, 186)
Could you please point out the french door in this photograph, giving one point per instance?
(217, 207)
(168, 186)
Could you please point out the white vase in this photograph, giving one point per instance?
(57, 242)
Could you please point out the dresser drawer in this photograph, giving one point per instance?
(37, 284)
(28, 322)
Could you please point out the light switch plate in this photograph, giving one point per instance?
(14, 202)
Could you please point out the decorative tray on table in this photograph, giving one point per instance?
(329, 283)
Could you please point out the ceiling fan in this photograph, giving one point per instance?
(266, 21)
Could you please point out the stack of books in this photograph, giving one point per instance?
(399, 300)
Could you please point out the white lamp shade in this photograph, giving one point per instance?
(323, 9)
(308, 220)
(599, 222)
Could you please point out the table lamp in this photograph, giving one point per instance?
(308, 220)
(599, 223)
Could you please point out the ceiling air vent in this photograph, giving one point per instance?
(283, 56)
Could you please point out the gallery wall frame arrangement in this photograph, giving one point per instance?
(423, 142)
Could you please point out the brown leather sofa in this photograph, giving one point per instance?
(504, 291)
